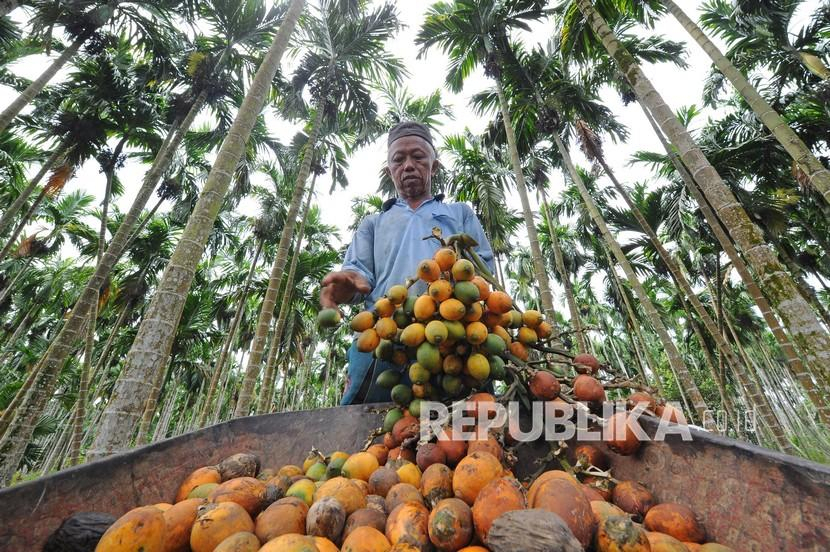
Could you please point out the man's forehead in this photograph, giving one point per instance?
(408, 144)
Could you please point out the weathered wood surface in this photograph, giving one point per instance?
(749, 498)
(29, 512)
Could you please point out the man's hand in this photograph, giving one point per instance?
(340, 287)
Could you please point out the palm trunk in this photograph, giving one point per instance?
(113, 333)
(266, 313)
(207, 407)
(725, 400)
(20, 200)
(55, 459)
(267, 389)
(754, 394)
(796, 367)
(530, 224)
(817, 174)
(637, 330)
(150, 405)
(164, 419)
(796, 313)
(675, 361)
(37, 86)
(576, 321)
(155, 335)
(746, 365)
(83, 384)
(686, 289)
(806, 291)
(64, 342)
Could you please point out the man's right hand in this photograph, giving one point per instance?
(340, 287)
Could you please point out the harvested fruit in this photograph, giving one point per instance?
(566, 500)
(178, 520)
(591, 456)
(142, 528)
(445, 257)
(450, 524)
(660, 542)
(620, 534)
(633, 498)
(436, 484)
(285, 516)
(429, 454)
(239, 542)
(217, 523)
(400, 493)
(345, 491)
(588, 389)
(620, 436)
(201, 476)
(382, 480)
(362, 321)
(410, 473)
(587, 360)
(365, 517)
(292, 542)
(328, 318)
(409, 523)
(248, 492)
(473, 473)
(544, 385)
(366, 539)
(326, 518)
(501, 495)
(676, 520)
(361, 465)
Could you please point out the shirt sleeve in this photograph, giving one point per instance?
(360, 256)
(472, 226)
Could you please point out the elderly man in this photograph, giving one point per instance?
(388, 246)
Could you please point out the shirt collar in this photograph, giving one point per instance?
(391, 202)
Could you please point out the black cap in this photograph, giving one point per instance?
(410, 128)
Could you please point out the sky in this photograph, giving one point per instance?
(678, 87)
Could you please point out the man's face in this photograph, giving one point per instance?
(411, 163)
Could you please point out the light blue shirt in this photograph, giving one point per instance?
(388, 246)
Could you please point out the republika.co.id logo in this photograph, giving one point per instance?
(555, 421)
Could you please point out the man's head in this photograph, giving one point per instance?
(411, 160)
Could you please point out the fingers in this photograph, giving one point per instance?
(338, 287)
(331, 278)
(360, 283)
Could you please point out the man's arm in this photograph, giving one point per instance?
(356, 277)
(472, 226)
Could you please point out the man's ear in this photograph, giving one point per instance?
(436, 164)
(386, 171)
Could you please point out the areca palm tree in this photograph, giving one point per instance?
(155, 334)
(476, 175)
(798, 369)
(592, 147)
(466, 30)
(816, 173)
(82, 20)
(344, 47)
(794, 310)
